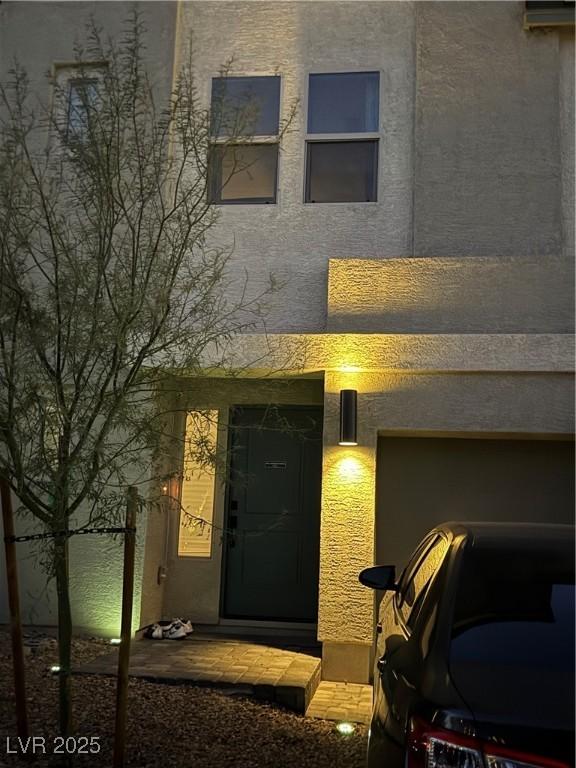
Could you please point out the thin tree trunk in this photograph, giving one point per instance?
(64, 635)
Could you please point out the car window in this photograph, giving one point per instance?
(414, 561)
(512, 606)
(412, 596)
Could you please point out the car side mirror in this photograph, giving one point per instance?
(379, 577)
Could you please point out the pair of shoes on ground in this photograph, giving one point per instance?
(177, 629)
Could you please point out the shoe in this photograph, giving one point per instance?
(188, 628)
(157, 632)
(175, 631)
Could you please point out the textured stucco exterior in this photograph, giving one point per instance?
(55, 27)
(480, 294)
(487, 133)
(292, 239)
(448, 303)
(567, 138)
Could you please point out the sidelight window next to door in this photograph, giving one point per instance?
(271, 557)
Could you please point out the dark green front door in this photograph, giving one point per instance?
(273, 517)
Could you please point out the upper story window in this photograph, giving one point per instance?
(82, 97)
(342, 137)
(245, 120)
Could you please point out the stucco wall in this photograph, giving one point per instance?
(41, 34)
(487, 171)
(485, 294)
(292, 239)
(567, 130)
(96, 567)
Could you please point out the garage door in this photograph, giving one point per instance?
(425, 481)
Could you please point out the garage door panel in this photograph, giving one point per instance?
(425, 481)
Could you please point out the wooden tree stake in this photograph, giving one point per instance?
(126, 631)
(14, 604)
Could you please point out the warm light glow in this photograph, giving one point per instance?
(349, 369)
(55, 669)
(115, 641)
(341, 443)
(164, 489)
(345, 728)
(350, 469)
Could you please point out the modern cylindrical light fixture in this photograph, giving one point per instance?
(348, 411)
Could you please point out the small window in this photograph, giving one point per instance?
(343, 103)
(245, 106)
(198, 487)
(82, 97)
(342, 138)
(341, 171)
(244, 173)
(243, 170)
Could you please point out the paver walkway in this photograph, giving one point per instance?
(271, 674)
(348, 702)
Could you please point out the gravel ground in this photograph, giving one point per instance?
(169, 726)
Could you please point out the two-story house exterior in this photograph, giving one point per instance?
(419, 213)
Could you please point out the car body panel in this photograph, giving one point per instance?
(414, 673)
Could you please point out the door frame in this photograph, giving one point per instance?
(262, 623)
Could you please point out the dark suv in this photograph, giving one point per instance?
(475, 650)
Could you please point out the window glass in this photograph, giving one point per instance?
(245, 106)
(244, 173)
(512, 607)
(343, 102)
(414, 591)
(82, 95)
(198, 484)
(341, 171)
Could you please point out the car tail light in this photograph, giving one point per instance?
(433, 747)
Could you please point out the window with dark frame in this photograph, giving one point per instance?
(245, 124)
(342, 137)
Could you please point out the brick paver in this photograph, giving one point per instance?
(272, 674)
(341, 701)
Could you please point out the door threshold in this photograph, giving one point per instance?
(304, 627)
(272, 629)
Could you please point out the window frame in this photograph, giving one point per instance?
(64, 74)
(256, 139)
(310, 138)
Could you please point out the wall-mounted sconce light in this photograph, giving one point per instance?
(348, 409)
(170, 489)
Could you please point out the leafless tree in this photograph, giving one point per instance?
(107, 282)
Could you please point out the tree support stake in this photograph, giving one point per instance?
(14, 605)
